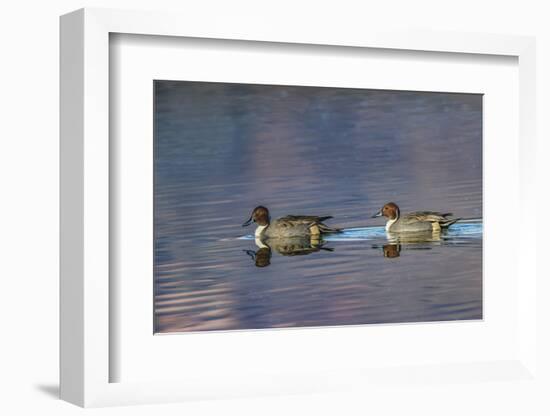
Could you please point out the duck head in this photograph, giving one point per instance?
(390, 211)
(260, 216)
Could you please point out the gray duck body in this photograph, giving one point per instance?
(289, 226)
(296, 226)
(420, 221)
(414, 222)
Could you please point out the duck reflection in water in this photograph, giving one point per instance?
(412, 241)
(291, 246)
(391, 251)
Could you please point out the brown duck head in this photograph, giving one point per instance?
(390, 211)
(260, 216)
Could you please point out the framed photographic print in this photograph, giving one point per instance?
(264, 213)
(224, 149)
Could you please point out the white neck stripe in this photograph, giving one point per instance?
(390, 223)
(259, 230)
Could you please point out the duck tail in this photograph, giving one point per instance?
(325, 229)
(449, 222)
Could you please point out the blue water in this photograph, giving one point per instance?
(457, 233)
(222, 149)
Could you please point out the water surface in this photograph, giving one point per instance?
(222, 149)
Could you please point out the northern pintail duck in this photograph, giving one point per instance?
(415, 222)
(289, 226)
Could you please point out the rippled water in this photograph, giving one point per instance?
(222, 149)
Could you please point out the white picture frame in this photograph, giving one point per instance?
(85, 211)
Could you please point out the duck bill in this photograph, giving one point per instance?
(378, 214)
(247, 222)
